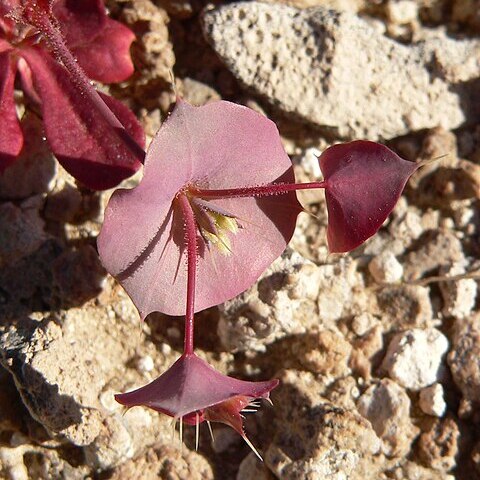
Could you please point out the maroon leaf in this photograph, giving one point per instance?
(126, 118)
(101, 45)
(11, 138)
(363, 183)
(79, 126)
(80, 21)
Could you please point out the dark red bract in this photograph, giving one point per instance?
(192, 391)
(363, 182)
(99, 145)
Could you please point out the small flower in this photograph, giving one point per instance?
(192, 391)
(50, 44)
(142, 241)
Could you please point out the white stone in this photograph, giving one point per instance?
(459, 296)
(165, 348)
(309, 162)
(341, 291)
(107, 399)
(414, 357)
(401, 12)
(431, 400)
(385, 268)
(362, 323)
(145, 364)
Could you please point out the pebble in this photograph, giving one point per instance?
(401, 12)
(431, 400)
(459, 296)
(414, 357)
(387, 406)
(439, 445)
(385, 268)
(145, 364)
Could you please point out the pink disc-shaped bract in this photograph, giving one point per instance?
(217, 146)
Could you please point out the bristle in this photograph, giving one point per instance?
(210, 430)
(197, 431)
(254, 450)
(180, 433)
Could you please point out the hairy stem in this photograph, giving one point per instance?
(46, 23)
(191, 244)
(259, 191)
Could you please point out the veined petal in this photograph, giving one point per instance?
(11, 139)
(220, 145)
(82, 138)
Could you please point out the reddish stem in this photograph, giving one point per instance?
(191, 241)
(259, 191)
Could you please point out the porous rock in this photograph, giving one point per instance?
(387, 406)
(405, 306)
(413, 471)
(154, 52)
(341, 5)
(166, 462)
(366, 351)
(11, 459)
(23, 460)
(342, 292)
(314, 439)
(404, 228)
(414, 357)
(326, 353)
(438, 447)
(464, 357)
(61, 366)
(302, 61)
(438, 250)
(281, 303)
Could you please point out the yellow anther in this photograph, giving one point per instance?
(221, 241)
(226, 223)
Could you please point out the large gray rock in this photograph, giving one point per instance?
(336, 70)
(67, 368)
